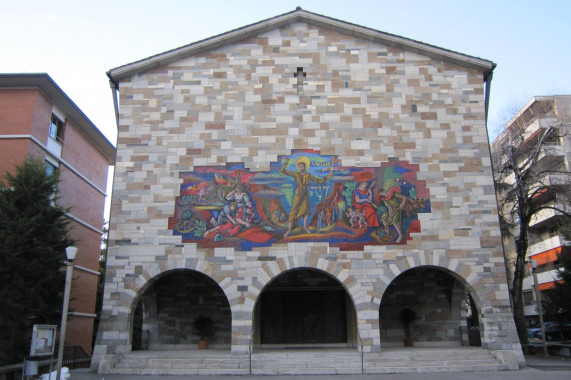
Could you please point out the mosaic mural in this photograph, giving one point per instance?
(305, 197)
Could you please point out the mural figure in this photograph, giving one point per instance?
(356, 217)
(238, 219)
(239, 196)
(305, 197)
(363, 202)
(394, 202)
(300, 207)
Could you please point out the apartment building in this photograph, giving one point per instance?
(553, 164)
(37, 118)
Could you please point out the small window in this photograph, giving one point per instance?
(56, 129)
(50, 168)
(528, 297)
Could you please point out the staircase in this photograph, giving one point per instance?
(182, 362)
(412, 360)
(307, 362)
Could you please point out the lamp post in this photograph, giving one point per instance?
(533, 264)
(70, 252)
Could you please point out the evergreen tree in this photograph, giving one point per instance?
(101, 281)
(33, 230)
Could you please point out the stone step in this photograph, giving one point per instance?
(436, 363)
(313, 362)
(435, 369)
(180, 372)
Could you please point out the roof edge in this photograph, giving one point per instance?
(57, 96)
(298, 15)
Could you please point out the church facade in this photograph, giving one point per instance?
(304, 182)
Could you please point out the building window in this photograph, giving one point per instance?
(50, 168)
(528, 297)
(56, 129)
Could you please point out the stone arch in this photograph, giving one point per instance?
(366, 311)
(190, 307)
(272, 269)
(464, 271)
(155, 270)
(473, 277)
(436, 301)
(305, 306)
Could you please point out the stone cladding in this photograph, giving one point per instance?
(366, 103)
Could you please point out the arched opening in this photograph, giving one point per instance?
(427, 306)
(305, 308)
(164, 316)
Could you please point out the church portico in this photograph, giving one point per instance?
(357, 291)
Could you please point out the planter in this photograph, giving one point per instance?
(205, 328)
(407, 317)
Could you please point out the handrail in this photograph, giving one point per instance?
(250, 354)
(362, 357)
(250, 348)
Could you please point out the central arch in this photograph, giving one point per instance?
(304, 307)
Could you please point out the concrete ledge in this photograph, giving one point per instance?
(108, 362)
(509, 359)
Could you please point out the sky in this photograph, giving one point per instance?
(77, 41)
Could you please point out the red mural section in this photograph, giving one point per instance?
(304, 197)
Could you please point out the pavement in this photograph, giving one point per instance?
(537, 367)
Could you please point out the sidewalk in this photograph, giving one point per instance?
(537, 368)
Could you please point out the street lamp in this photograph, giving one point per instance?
(533, 264)
(70, 252)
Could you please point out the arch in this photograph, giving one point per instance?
(470, 275)
(304, 306)
(438, 304)
(170, 302)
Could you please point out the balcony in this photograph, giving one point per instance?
(545, 215)
(531, 309)
(541, 122)
(54, 147)
(545, 245)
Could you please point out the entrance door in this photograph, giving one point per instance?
(293, 315)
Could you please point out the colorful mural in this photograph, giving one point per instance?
(305, 197)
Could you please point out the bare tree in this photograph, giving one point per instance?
(532, 181)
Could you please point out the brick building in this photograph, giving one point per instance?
(38, 119)
(304, 182)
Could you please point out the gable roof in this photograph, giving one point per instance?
(59, 98)
(300, 15)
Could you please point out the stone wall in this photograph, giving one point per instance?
(364, 102)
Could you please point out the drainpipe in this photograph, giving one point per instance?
(488, 80)
(114, 89)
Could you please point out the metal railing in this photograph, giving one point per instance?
(250, 346)
(362, 355)
(75, 357)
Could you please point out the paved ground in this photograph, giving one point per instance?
(538, 367)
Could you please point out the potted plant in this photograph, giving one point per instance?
(205, 327)
(407, 316)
